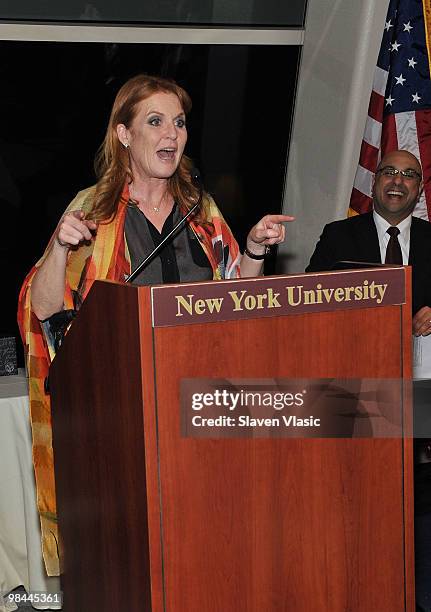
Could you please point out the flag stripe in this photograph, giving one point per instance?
(377, 104)
(380, 81)
(373, 132)
(423, 125)
(408, 139)
(364, 181)
(360, 203)
(389, 135)
(369, 157)
(406, 132)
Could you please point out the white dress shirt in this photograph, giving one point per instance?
(403, 237)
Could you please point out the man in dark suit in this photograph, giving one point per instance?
(365, 238)
(396, 190)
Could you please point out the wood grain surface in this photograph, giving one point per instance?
(154, 521)
(281, 525)
(99, 452)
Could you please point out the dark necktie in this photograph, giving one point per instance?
(393, 250)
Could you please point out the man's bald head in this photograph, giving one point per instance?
(395, 194)
(393, 157)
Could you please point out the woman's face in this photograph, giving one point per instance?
(156, 137)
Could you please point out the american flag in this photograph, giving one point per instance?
(399, 114)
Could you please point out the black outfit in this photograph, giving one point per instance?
(182, 258)
(356, 239)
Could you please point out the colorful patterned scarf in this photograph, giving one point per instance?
(105, 258)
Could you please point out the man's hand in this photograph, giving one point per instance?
(422, 322)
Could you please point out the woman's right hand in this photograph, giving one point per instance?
(74, 229)
(47, 289)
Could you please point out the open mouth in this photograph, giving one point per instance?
(167, 154)
(395, 193)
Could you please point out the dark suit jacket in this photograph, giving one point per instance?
(356, 239)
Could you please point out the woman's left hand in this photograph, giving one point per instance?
(269, 230)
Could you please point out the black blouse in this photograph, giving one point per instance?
(181, 259)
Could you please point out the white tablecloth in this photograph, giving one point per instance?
(20, 549)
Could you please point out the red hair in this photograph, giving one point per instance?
(112, 162)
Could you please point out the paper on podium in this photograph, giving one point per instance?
(422, 357)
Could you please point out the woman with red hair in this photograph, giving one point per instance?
(145, 187)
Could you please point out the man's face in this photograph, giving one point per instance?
(394, 197)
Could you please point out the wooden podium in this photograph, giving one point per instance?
(155, 521)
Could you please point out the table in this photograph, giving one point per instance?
(20, 549)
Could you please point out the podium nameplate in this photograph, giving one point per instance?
(191, 303)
